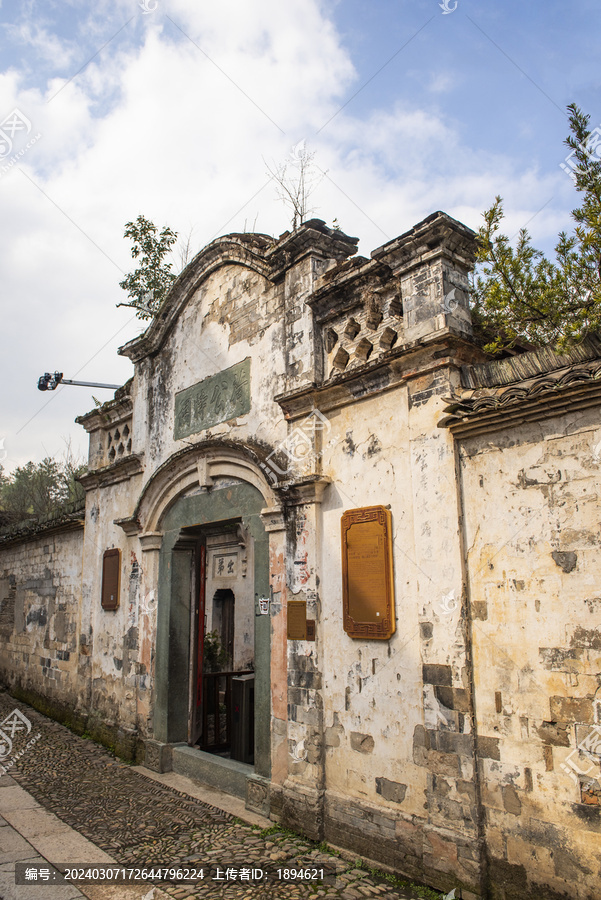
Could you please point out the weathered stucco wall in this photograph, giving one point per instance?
(531, 503)
(372, 708)
(380, 732)
(45, 644)
(124, 638)
(439, 751)
(234, 315)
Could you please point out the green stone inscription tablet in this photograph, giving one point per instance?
(213, 400)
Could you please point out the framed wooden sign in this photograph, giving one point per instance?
(367, 580)
(111, 571)
(297, 620)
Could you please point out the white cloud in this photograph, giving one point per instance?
(155, 125)
(46, 45)
(442, 82)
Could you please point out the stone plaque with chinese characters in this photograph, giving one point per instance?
(213, 400)
(225, 565)
(367, 580)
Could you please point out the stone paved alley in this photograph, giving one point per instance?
(68, 800)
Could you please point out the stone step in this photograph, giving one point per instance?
(226, 774)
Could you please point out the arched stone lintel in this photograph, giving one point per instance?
(198, 466)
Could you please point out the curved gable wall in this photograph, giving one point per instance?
(235, 314)
(222, 252)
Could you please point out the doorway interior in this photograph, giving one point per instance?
(215, 539)
(222, 639)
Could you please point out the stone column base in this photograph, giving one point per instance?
(158, 756)
(258, 795)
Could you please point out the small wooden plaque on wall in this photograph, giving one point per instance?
(111, 571)
(297, 620)
(367, 580)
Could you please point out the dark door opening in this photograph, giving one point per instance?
(223, 621)
(221, 672)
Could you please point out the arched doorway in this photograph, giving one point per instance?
(222, 676)
(213, 568)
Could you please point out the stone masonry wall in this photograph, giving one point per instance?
(44, 650)
(123, 658)
(531, 502)
(397, 740)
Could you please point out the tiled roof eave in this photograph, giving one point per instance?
(69, 519)
(526, 366)
(464, 421)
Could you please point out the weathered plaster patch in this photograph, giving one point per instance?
(363, 743)
(391, 790)
(565, 559)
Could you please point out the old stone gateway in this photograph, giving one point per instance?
(336, 560)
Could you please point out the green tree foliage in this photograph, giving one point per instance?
(37, 490)
(520, 296)
(3, 481)
(148, 285)
(215, 656)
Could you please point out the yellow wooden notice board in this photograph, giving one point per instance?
(297, 620)
(367, 579)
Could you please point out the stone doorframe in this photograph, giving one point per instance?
(200, 467)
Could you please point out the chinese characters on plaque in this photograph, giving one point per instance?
(225, 565)
(215, 399)
(367, 585)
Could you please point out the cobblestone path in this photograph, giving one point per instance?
(140, 822)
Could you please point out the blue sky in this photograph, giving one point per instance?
(176, 111)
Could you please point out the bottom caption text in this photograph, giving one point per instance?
(29, 873)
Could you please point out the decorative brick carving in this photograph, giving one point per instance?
(341, 359)
(331, 339)
(374, 313)
(388, 338)
(352, 329)
(257, 795)
(363, 349)
(157, 756)
(395, 307)
(118, 443)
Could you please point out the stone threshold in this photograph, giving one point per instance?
(227, 775)
(214, 796)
